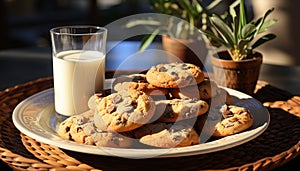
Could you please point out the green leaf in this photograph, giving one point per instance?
(248, 30)
(134, 23)
(223, 29)
(232, 8)
(243, 14)
(199, 7)
(260, 22)
(147, 40)
(243, 43)
(187, 6)
(263, 40)
(215, 38)
(213, 5)
(267, 24)
(235, 29)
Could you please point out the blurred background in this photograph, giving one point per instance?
(27, 22)
(25, 25)
(25, 49)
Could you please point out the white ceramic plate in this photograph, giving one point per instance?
(36, 118)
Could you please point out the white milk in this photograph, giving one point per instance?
(77, 75)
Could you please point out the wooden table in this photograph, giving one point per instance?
(277, 146)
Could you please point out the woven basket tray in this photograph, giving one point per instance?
(276, 146)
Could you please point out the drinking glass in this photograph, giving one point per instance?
(78, 56)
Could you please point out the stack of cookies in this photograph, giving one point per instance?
(160, 108)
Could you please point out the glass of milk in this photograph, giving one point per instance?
(78, 55)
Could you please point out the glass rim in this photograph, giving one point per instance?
(99, 30)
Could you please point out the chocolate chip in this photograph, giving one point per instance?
(162, 69)
(117, 98)
(79, 129)
(201, 106)
(111, 108)
(184, 66)
(68, 129)
(176, 138)
(227, 114)
(127, 102)
(172, 65)
(134, 104)
(175, 75)
(240, 112)
(79, 121)
(119, 121)
(127, 108)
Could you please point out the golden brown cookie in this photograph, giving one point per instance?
(176, 135)
(206, 90)
(174, 75)
(109, 139)
(179, 109)
(235, 119)
(81, 128)
(96, 98)
(64, 129)
(124, 111)
(151, 128)
(137, 82)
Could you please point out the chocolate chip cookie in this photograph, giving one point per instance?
(124, 111)
(137, 82)
(64, 129)
(174, 75)
(151, 128)
(235, 119)
(96, 98)
(179, 109)
(206, 90)
(81, 128)
(171, 136)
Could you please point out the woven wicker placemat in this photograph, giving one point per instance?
(277, 145)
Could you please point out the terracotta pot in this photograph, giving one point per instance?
(238, 75)
(187, 51)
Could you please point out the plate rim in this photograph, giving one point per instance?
(123, 152)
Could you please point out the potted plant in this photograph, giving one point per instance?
(179, 29)
(238, 66)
